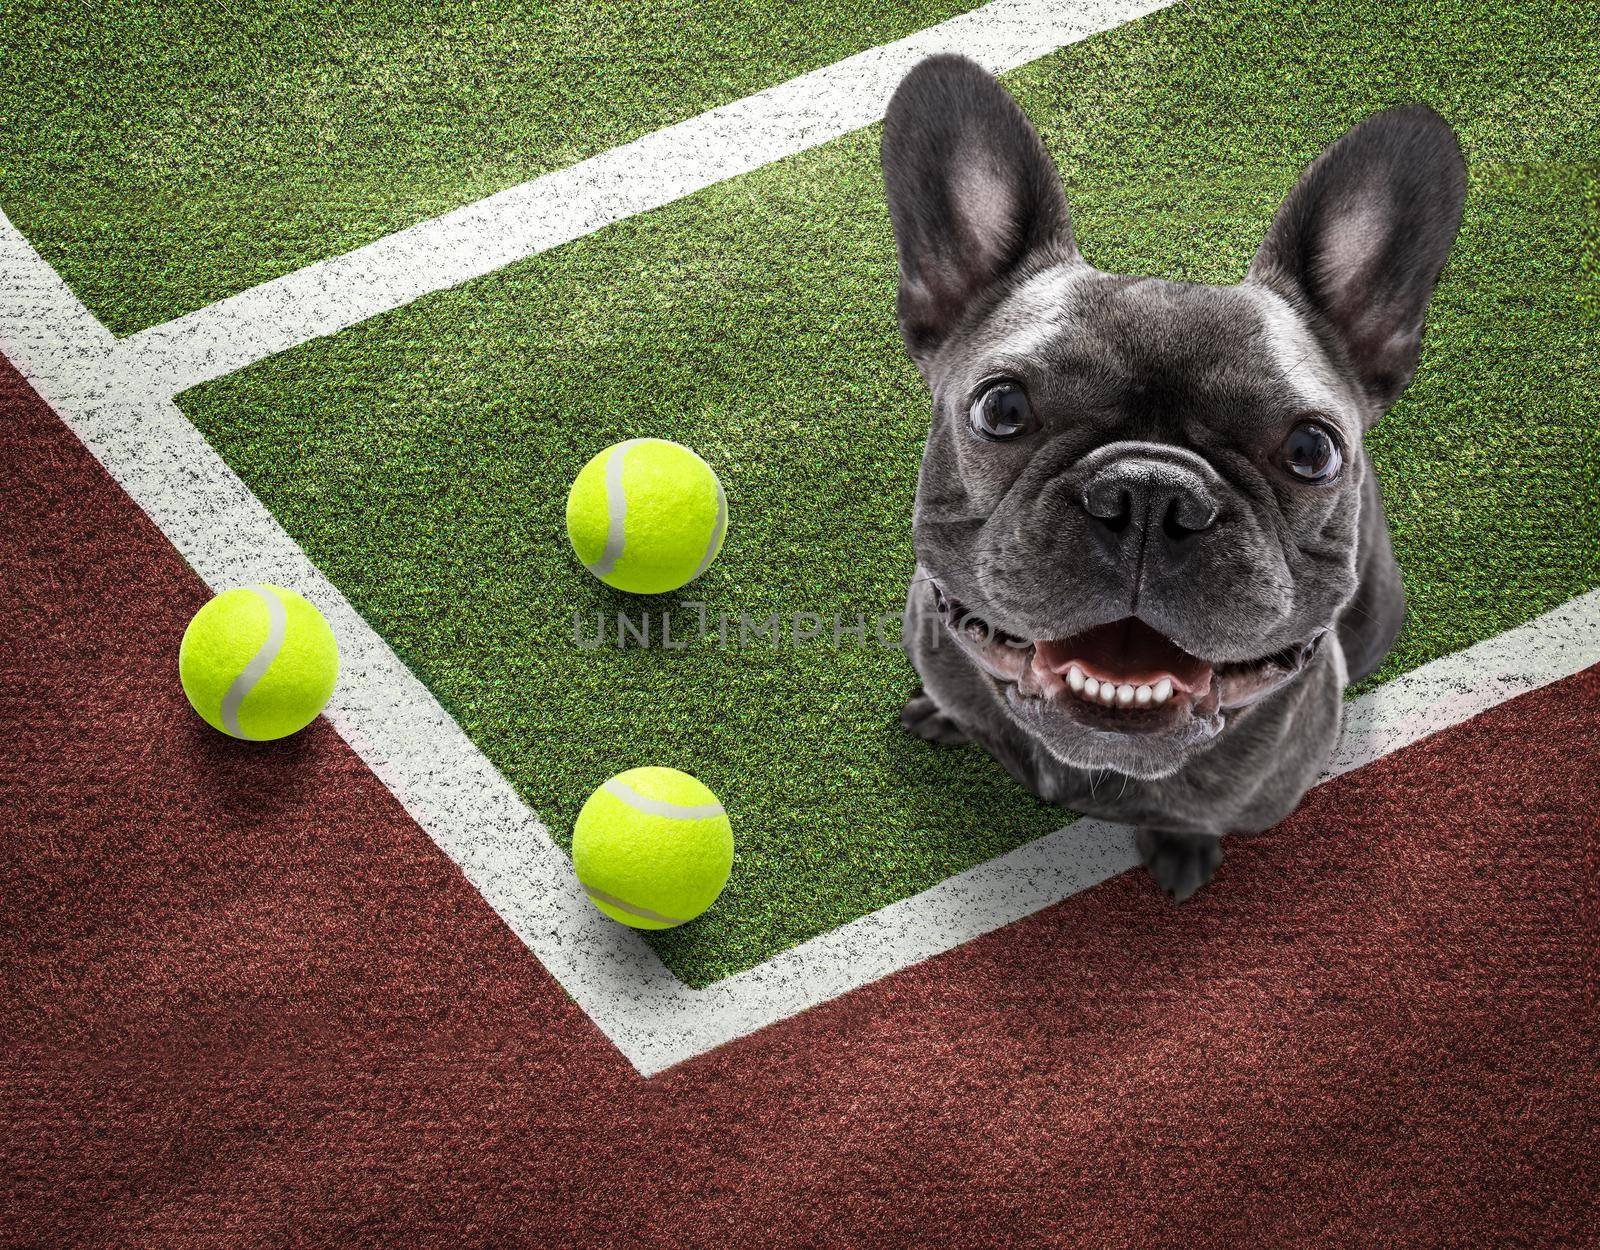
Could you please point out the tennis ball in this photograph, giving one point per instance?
(258, 662)
(653, 848)
(647, 516)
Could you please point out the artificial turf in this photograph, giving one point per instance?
(162, 154)
(422, 459)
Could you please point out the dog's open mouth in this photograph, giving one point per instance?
(1123, 676)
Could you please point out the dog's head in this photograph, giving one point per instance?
(1140, 499)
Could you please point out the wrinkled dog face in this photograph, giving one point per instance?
(1149, 485)
(1140, 500)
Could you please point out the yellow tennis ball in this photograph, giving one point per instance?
(258, 662)
(653, 848)
(647, 516)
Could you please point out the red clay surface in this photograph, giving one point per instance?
(247, 1002)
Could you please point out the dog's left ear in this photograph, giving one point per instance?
(1362, 238)
(972, 192)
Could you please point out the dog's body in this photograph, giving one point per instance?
(1151, 550)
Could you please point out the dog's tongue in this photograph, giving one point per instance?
(1124, 651)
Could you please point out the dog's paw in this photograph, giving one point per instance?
(922, 717)
(1180, 862)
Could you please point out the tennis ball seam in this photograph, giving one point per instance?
(650, 806)
(597, 895)
(718, 528)
(251, 674)
(616, 510)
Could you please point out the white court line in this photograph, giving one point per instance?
(657, 169)
(117, 399)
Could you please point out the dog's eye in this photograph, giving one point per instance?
(1002, 412)
(1311, 454)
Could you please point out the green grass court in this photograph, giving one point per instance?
(422, 459)
(163, 155)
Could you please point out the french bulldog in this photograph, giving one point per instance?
(1151, 551)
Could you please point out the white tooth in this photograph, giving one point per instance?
(1108, 693)
(1075, 679)
(1141, 696)
(1124, 695)
(1091, 688)
(1163, 690)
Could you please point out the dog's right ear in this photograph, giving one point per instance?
(972, 193)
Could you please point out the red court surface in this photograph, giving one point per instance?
(248, 1003)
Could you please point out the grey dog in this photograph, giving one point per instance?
(1151, 549)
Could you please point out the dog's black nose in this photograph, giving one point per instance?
(1136, 496)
